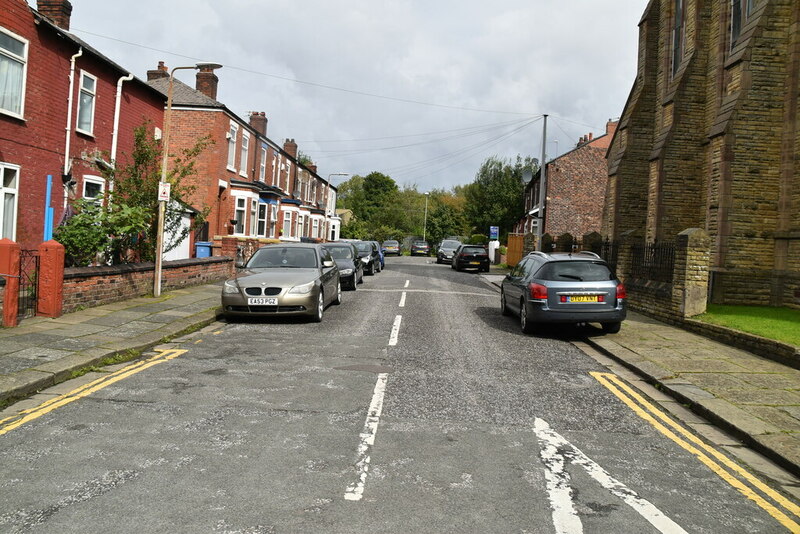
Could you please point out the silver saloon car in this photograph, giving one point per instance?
(285, 279)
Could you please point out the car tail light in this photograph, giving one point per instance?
(538, 291)
(621, 294)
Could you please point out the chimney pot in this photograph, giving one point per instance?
(57, 11)
(160, 72)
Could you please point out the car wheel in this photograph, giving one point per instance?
(338, 299)
(524, 323)
(611, 328)
(438, 261)
(354, 285)
(317, 317)
(503, 305)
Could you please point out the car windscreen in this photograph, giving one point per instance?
(390, 243)
(341, 253)
(364, 247)
(473, 250)
(283, 257)
(450, 244)
(582, 271)
(421, 244)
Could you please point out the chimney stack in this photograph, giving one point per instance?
(258, 121)
(57, 11)
(591, 136)
(312, 167)
(207, 82)
(160, 72)
(290, 147)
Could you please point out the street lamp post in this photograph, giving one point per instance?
(330, 211)
(162, 203)
(425, 221)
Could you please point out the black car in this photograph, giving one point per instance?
(446, 250)
(351, 268)
(564, 288)
(471, 257)
(370, 255)
(420, 248)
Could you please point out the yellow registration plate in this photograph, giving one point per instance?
(582, 298)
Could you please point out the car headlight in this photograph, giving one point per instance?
(346, 272)
(366, 259)
(302, 289)
(230, 287)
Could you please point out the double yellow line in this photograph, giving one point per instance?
(748, 485)
(10, 423)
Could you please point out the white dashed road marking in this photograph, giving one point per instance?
(395, 331)
(403, 300)
(355, 491)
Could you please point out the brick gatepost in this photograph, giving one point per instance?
(9, 266)
(50, 293)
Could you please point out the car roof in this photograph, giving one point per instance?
(583, 255)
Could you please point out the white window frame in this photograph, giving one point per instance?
(315, 227)
(262, 169)
(273, 219)
(287, 228)
(288, 176)
(239, 208)
(97, 180)
(298, 225)
(4, 232)
(81, 91)
(233, 133)
(261, 222)
(11, 56)
(245, 154)
(253, 216)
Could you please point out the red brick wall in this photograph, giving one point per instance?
(95, 286)
(37, 143)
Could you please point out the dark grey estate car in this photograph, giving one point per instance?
(564, 288)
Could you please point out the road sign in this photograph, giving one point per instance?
(163, 191)
(494, 232)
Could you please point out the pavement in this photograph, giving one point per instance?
(755, 399)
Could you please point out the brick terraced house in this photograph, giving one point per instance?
(63, 107)
(576, 188)
(710, 139)
(253, 187)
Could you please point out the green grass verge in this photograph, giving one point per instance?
(780, 324)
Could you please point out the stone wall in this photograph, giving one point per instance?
(95, 286)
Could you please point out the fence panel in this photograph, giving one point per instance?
(514, 250)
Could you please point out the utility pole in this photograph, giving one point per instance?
(542, 188)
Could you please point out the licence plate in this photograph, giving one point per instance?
(474, 263)
(582, 298)
(262, 301)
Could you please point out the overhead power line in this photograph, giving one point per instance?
(309, 83)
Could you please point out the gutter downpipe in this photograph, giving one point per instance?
(115, 135)
(67, 159)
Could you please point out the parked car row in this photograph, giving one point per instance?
(298, 278)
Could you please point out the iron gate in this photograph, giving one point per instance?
(28, 282)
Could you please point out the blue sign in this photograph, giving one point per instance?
(494, 232)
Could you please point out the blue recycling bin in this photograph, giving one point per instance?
(202, 249)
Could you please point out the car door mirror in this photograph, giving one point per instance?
(239, 264)
(327, 264)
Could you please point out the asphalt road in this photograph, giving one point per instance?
(413, 407)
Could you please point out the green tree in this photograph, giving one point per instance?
(443, 221)
(495, 197)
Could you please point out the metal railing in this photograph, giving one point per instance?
(653, 261)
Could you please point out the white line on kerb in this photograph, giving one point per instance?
(407, 282)
(355, 492)
(555, 452)
(395, 331)
(403, 300)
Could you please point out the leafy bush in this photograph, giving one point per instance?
(478, 239)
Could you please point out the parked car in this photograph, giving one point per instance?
(290, 279)
(369, 254)
(446, 250)
(470, 257)
(420, 248)
(391, 246)
(381, 255)
(564, 288)
(351, 268)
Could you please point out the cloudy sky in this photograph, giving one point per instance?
(423, 91)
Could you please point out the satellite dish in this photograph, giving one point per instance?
(527, 176)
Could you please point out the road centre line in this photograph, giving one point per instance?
(10, 423)
(555, 451)
(647, 411)
(493, 295)
(395, 331)
(407, 282)
(403, 300)
(355, 491)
